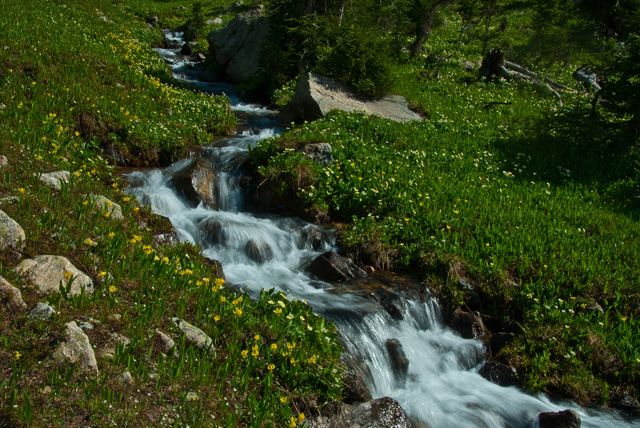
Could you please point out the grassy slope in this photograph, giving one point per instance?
(77, 76)
(544, 225)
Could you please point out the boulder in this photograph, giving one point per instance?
(499, 373)
(186, 49)
(469, 325)
(48, 273)
(163, 342)
(258, 251)
(196, 182)
(169, 238)
(194, 335)
(12, 235)
(214, 21)
(332, 267)
(316, 96)
(237, 46)
(399, 361)
(10, 296)
(564, 419)
(55, 179)
(125, 378)
(42, 311)
(319, 152)
(3, 161)
(382, 412)
(76, 349)
(355, 386)
(106, 205)
(213, 230)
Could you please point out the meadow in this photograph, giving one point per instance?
(80, 90)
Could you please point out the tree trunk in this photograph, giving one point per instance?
(424, 24)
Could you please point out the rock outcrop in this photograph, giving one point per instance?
(196, 182)
(316, 96)
(382, 412)
(12, 235)
(237, 46)
(55, 179)
(76, 349)
(333, 267)
(49, 272)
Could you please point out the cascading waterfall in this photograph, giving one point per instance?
(441, 386)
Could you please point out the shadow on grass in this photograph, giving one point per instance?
(577, 147)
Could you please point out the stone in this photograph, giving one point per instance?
(237, 47)
(382, 412)
(214, 21)
(199, 57)
(627, 404)
(469, 325)
(153, 20)
(192, 396)
(3, 161)
(48, 273)
(186, 49)
(333, 267)
(10, 296)
(12, 235)
(236, 5)
(258, 251)
(399, 361)
(85, 326)
(315, 96)
(163, 342)
(125, 378)
(169, 238)
(500, 373)
(213, 230)
(196, 182)
(564, 419)
(118, 338)
(319, 152)
(500, 340)
(355, 386)
(468, 66)
(194, 335)
(106, 205)
(76, 349)
(42, 311)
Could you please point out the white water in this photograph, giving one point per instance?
(443, 387)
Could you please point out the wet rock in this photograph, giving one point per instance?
(199, 57)
(399, 360)
(382, 412)
(76, 349)
(106, 205)
(627, 404)
(48, 273)
(319, 152)
(500, 340)
(12, 235)
(315, 96)
(55, 179)
(213, 230)
(42, 311)
(499, 373)
(258, 251)
(355, 386)
(125, 378)
(313, 236)
(469, 325)
(332, 267)
(163, 342)
(3, 161)
(10, 296)
(564, 419)
(187, 49)
(237, 47)
(153, 20)
(196, 182)
(194, 335)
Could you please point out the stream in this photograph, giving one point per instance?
(442, 387)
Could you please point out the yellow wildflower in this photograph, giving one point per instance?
(244, 352)
(17, 355)
(283, 399)
(112, 289)
(256, 337)
(271, 367)
(274, 346)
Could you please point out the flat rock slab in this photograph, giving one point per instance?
(55, 179)
(194, 335)
(76, 349)
(10, 296)
(316, 96)
(12, 235)
(106, 205)
(48, 272)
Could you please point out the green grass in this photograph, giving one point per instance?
(76, 87)
(522, 198)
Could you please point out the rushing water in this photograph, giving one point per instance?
(442, 387)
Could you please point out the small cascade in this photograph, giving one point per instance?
(402, 347)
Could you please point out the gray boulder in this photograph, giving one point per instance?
(258, 251)
(42, 311)
(163, 342)
(76, 349)
(194, 335)
(316, 96)
(237, 46)
(399, 360)
(48, 272)
(55, 179)
(382, 412)
(332, 267)
(106, 205)
(500, 373)
(196, 182)
(12, 235)
(319, 152)
(10, 296)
